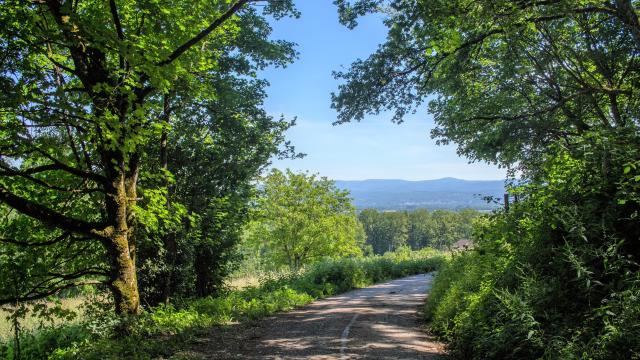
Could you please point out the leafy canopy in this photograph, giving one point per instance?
(91, 93)
(504, 79)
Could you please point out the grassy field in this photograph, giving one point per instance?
(31, 322)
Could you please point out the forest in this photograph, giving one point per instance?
(417, 229)
(136, 177)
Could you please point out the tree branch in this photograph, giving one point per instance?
(80, 273)
(118, 26)
(51, 217)
(559, 103)
(38, 169)
(53, 241)
(42, 295)
(63, 67)
(202, 34)
(116, 19)
(77, 172)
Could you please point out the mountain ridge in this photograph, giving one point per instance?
(444, 193)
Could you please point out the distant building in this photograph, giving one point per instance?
(462, 244)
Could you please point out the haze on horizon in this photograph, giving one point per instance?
(372, 149)
(419, 180)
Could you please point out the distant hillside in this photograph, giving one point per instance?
(446, 193)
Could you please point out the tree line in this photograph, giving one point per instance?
(417, 229)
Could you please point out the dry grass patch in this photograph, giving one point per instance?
(31, 322)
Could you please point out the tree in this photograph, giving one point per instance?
(87, 87)
(465, 223)
(509, 77)
(213, 158)
(371, 221)
(443, 232)
(395, 226)
(420, 222)
(303, 218)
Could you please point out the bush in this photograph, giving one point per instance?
(336, 276)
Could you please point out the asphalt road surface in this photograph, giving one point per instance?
(379, 322)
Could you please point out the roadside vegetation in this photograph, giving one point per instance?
(162, 330)
(554, 277)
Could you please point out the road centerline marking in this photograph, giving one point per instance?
(345, 335)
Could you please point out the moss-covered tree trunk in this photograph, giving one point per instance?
(124, 283)
(120, 244)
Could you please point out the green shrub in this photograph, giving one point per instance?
(556, 277)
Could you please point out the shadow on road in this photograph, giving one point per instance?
(380, 322)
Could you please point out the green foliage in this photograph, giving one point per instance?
(215, 151)
(555, 277)
(301, 219)
(331, 277)
(503, 79)
(127, 129)
(164, 329)
(387, 231)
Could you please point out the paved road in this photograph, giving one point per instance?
(379, 322)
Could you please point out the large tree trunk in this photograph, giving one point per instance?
(123, 282)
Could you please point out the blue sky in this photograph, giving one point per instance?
(372, 149)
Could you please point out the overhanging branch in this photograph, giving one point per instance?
(51, 217)
(116, 19)
(56, 240)
(50, 292)
(74, 171)
(26, 173)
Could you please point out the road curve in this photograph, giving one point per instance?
(378, 322)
